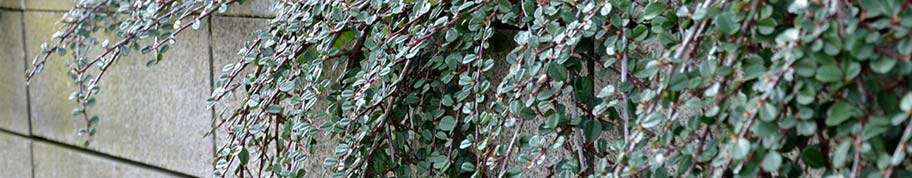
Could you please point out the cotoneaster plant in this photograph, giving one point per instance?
(568, 88)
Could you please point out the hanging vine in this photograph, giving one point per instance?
(495, 88)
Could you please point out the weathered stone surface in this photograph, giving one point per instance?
(12, 4)
(54, 5)
(151, 114)
(13, 103)
(55, 161)
(258, 8)
(228, 36)
(16, 156)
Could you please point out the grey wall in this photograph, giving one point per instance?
(153, 119)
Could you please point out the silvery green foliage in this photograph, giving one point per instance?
(419, 88)
(138, 26)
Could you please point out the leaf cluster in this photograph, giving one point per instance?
(497, 88)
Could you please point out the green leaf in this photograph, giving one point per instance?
(883, 65)
(681, 12)
(274, 109)
(906, 103)
(196, 24)
(527, 113)
(94, 120)
(726, 25)
(788, 35)
(813, 157)
(877, 126)
(651, 120)
(61, 51)
(852, 70)
(605, 9)
(467, 167)
(829, 73)
(552, 121)
(606, 91)
(700, 13)
(766, 26)
(640, 32)
(741, 148)
(469, 58)
(146, 50)
(592, 130)
(905, 46)
(876, 8)
(753, 71)
(839, 157)
(772, 161)
(765, 129)
(769, 112)
(806, 128)
(452, 35)
(330, 162)
(447, 100)
(558, 72)
(806, 95)
(798, 6)
(244, 156)
(288, 86)
(342, 149)
(840, 112)
(806, 67)
(545, 94)
(465, 143)
(653, 9)
(447, 123)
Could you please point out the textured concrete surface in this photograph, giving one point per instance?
(228, 37)
(55, 161)
(257, 8)
(12, 4)
(54, 5)
(155, 115)
(16, 156)
(13, 102)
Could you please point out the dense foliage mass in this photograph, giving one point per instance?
(494, 88)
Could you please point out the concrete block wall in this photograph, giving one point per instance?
(153, 119)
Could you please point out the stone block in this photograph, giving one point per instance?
(14, 105)
(17, 156)
(11, 4)
(255, 8)
(151, 114)
(49, 5)
(56, 161)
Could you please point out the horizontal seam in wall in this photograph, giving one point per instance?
(96, 153)
(10, 9)
(34, 10)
